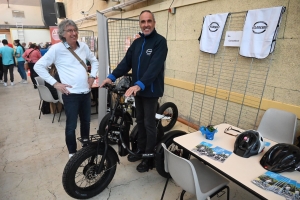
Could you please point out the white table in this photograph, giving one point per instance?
(238, 169)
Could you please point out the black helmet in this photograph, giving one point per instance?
(248, 143)
(281, 157)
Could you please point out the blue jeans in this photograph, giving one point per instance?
(21, 70)
(76, 104)
(145, 119)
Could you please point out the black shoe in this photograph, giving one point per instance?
(143, 166)
(132, 158)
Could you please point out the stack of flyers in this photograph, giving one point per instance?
(216, 153)
(279, 184)
(220, 154)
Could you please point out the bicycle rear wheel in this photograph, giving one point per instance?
(168, 109)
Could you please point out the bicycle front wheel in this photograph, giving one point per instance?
(80, 179)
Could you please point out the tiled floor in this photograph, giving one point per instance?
(33, 155)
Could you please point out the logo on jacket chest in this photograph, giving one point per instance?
(148, 52)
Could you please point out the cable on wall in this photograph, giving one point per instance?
(168, 20)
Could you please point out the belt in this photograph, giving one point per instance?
(86, 92)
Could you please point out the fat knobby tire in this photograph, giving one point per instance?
(76, 161)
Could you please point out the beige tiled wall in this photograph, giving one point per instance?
(184, 29)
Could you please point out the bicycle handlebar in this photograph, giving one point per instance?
(113, 89)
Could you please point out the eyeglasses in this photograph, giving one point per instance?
(71, 31)
(231, 129)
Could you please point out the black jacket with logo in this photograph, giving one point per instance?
(146, 57)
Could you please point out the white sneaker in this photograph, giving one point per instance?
(12, 83)
(5, 84)
(70, 155)
(24, 82)
(1, 81)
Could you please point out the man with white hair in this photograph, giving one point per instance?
(75, 85)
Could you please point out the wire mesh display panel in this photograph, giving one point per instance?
(87, 36)
(229, 87)
(121, 34)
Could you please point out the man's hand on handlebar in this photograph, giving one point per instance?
(132, 90)
(106, 81)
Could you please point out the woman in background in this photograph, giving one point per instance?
(32, 55)
(18, 54)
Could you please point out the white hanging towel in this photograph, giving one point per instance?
(212, 30)
(260, 32)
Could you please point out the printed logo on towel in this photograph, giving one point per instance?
(259, 27)
(213, 27)
(148, 52)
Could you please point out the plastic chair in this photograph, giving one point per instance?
(278, 125)
(46, 95)
(59, 94)
(193, 176)
(39, 81)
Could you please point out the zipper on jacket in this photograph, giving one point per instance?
(138, 71)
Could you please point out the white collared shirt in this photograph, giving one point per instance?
(70, 70)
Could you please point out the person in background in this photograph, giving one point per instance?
(47, 45)
(43, 51)
(1, 69)
(18, 54)
(7, 55)
(145, 57)
(24, 45)
(29, 44)
(32, 55)
(10, 45)
(75, 85)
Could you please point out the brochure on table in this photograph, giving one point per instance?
(279, 184)
(217, 153)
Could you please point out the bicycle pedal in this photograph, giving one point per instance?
(85, 141)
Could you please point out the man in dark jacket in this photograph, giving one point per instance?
(146, 57)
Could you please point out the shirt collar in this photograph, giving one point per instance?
(68, 46)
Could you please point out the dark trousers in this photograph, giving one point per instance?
(77, 104)
(145, 119)
(1, 69)
(33, 74)
(11, 72)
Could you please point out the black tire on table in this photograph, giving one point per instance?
(168, 141)
(168, 109)
(78, 178)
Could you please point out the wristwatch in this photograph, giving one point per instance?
(90, 76)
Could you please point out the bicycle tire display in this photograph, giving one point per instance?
(79, 178)
(168, 109)
(168, 141)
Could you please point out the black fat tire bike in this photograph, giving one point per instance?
(90, 170)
